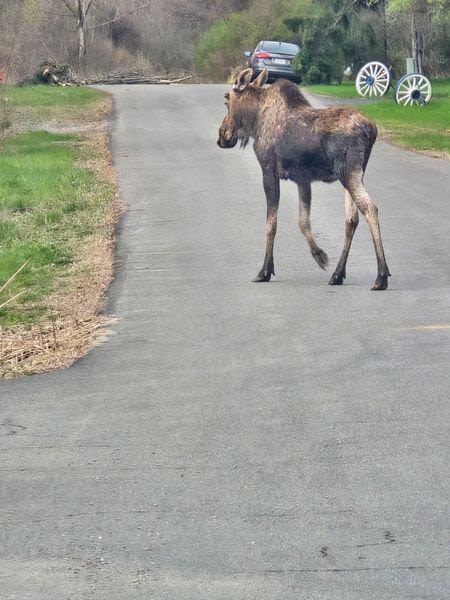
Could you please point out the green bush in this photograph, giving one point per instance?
(332, 36)
(314, 75)
(222, 47)
(327, 48)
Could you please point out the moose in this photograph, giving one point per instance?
(294, 141)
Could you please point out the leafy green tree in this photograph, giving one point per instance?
(422, 13)
(222, 47)
(333, 35)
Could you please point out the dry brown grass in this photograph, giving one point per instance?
(76, 324)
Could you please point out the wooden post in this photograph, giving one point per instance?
(417, 37)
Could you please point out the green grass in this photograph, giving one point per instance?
(424, 128)
(35, 106)
(44, 96)
(48, 204)
(421, 128)
(347, 89)
(441, 88)
(344, 90)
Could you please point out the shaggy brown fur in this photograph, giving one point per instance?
(294, 141)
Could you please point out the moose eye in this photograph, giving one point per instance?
(227, 96)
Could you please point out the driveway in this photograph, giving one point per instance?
(235, 441)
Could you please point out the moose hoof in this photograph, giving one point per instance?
(337, 279)
(381, 283)
(320, 257)
(262, 276)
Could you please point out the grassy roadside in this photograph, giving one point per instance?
(58, 211)
(41, 106)
(425, 129)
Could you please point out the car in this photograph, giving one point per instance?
(276, 57)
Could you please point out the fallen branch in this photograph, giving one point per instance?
(134, 78)
(11, 299)
(179, 80)
(11, 279)
(56, 74)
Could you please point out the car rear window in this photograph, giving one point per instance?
(282, 47)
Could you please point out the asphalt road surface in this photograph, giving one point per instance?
(232, 440)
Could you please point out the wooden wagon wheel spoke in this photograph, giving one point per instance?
(403, 97)
(364, 89)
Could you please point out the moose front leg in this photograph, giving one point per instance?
(365, 205)
(272, 190)
(304, 196)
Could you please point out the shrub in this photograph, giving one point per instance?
(221, 47)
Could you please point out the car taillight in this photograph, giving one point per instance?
(261, 55)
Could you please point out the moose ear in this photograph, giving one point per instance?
(243, 79)
(261, 79)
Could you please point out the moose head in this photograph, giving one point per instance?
(239, 102)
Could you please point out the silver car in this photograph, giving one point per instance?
(276, 57)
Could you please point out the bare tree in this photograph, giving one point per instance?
(80, 10)
(425, 15)
(103, 35)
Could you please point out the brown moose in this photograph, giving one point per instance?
(294, 141)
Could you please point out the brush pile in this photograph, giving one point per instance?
(130, 76)
(52, 73)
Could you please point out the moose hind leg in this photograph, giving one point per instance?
(351, 223)
(272, 190)
(304, 196)
(365, 205)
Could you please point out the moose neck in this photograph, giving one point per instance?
(249, 110)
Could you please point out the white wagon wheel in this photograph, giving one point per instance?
(413, 89)
(373, 80)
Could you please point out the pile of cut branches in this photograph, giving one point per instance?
(53, 73)
(134, 76)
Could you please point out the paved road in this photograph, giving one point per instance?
(235, 441)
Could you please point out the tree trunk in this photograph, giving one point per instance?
(81, 29)
(385, 45)
(418, 38)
